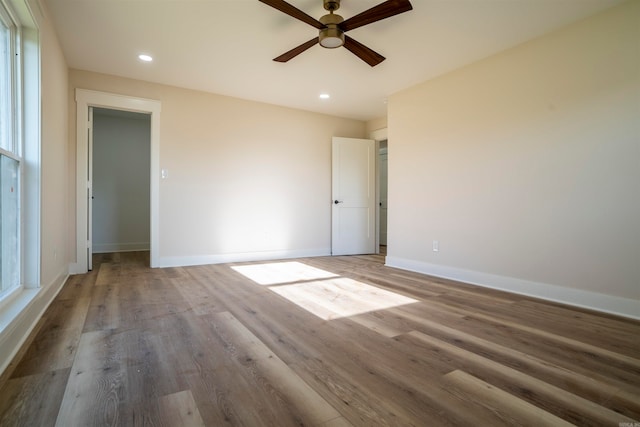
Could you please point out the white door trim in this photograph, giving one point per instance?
(84, 100)
(90, 189)
(378, 136)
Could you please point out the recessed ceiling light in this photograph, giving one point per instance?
(145, 58)
(324, 96)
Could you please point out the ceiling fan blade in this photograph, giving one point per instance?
(361, 51)
(296, 51)
(377, 13)
(293, 11)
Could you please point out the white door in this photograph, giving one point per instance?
(90, 191)
(354, 196)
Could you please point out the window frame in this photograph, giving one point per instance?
(14, 147)
(25, 147)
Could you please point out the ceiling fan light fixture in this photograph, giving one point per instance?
(331, 38)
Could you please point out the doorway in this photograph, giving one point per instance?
(84, 100)
(120, 166)
(383, 203)
(359, 195)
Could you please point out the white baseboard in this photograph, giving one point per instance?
(24, 312)
(120, 247)
(75, 268)
(184, 261)
(586, 299)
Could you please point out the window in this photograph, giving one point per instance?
(6, 78)
(9, 224)
(10, 160)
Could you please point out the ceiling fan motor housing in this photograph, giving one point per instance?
(331, 36)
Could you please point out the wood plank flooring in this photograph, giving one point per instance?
(336, 341)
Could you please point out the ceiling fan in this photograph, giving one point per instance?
(332, 27)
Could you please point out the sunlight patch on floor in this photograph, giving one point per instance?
(332, 297)
(279, 273)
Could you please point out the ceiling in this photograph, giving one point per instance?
(227, 46)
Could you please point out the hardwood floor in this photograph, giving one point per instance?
(320, 342)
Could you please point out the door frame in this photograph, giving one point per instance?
(378, 136)
(90, 189)
(84, 100)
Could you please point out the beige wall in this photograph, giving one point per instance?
(55, 221)
(246, 180)
(526, 166)
(376, 124)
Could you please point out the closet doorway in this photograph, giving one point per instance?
(382, 185)
(86, 101)
(120, 169)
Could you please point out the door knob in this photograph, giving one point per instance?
(335, 202)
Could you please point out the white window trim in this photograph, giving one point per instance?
(31, 157)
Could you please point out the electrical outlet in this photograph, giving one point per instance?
(436, 246)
